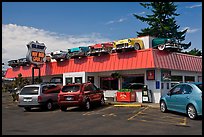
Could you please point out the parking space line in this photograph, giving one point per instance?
(137, 113)
(96, 112)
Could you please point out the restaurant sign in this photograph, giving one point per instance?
(36, 52)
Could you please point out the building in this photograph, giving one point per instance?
(160, 70)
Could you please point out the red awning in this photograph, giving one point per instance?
(141, 59)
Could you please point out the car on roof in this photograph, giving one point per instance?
(48, 57)
(78, 52)
(13, 63)
(169, 44)
(23, 62)
(184, 98)
(80, 94)
(100, 48)
(60, 55)
(42, 95)
(128, 44)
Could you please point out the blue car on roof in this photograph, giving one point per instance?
(184, 98)
(78, 52)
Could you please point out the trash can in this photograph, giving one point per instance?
(126, 95)
(146, 95)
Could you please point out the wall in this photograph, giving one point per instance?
(147, 40)
(73, 75)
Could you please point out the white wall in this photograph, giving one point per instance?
(147, 40)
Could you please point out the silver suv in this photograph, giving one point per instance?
(39, 95)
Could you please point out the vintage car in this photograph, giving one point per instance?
(60, 55)
(128, 44)
(102, 48)
(23, 62)
(169, 44)
(48, 57)
(13, 63)
(78, 52)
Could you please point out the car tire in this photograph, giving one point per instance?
(161, 47)
(87, 105)
(63, 108)
(49, 105)
(163, 107)
(27, 108)
(136, 46)
(191, 112)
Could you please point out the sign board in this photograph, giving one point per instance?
(165, 75)
(36, 52)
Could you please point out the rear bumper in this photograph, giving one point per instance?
(32, 105)
(70, 103)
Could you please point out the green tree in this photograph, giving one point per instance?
(162, 22)
(195, 52)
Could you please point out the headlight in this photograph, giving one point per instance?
(129, 40)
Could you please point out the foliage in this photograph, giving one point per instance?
(195, 52)
(162, 22)
(125, 90)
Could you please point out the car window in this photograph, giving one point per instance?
(88, 88)
(187, 89)
(50, 89)
(70, 88)
(29, 91)
(176, 90)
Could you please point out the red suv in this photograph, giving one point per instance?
(81, 95)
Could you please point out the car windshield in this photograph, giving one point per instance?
(70, 88)
(29, 91)
(199, 86)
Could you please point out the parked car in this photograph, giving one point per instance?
(48, 57)
(39, 95)
(98, 49)
(128, 44)
(23, 62)
(78, 52)
(13, 63)
(60, 55)
(184, 98)
(82, 95)
(169, 44)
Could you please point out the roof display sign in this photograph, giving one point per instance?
(36, 53)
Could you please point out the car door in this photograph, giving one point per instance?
(172, 99)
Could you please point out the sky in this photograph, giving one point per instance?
(64, 25)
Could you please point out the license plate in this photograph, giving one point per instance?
(27, 100)
(69, 98)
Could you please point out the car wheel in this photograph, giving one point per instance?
(161, 47)
(163, 107)
(87, 105)
(27, 108)
(191, 111)
(63, 108)
(136, 46)
(49, 105)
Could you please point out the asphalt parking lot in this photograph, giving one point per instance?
(100, 120)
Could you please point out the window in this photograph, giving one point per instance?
(71, 88)
(176, 90)
(50, 89)
(186, 89)
(189, 79)
(109, 83)
(91, 79)
(68, 80)
(176, 78)
(29, 91)
(78, 79)
(132, 79)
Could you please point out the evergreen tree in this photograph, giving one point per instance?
(162, 22)
(195, 52)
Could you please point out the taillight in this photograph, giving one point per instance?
(39, 98)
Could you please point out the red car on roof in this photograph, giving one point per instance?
(102, 48)
(82, 95)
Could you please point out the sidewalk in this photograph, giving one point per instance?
(132, 104)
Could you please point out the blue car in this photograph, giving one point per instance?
(184, 98)
(78, 52)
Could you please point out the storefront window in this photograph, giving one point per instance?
(176, 78)
(132, 79)
(109, 83)
(91, 79)
(78, 79)
(189, 79)
(68, 80)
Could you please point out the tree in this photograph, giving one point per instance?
(195, 52)
(162, 22)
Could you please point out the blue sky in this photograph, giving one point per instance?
(63, 25)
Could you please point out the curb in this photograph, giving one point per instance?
(119, 104)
